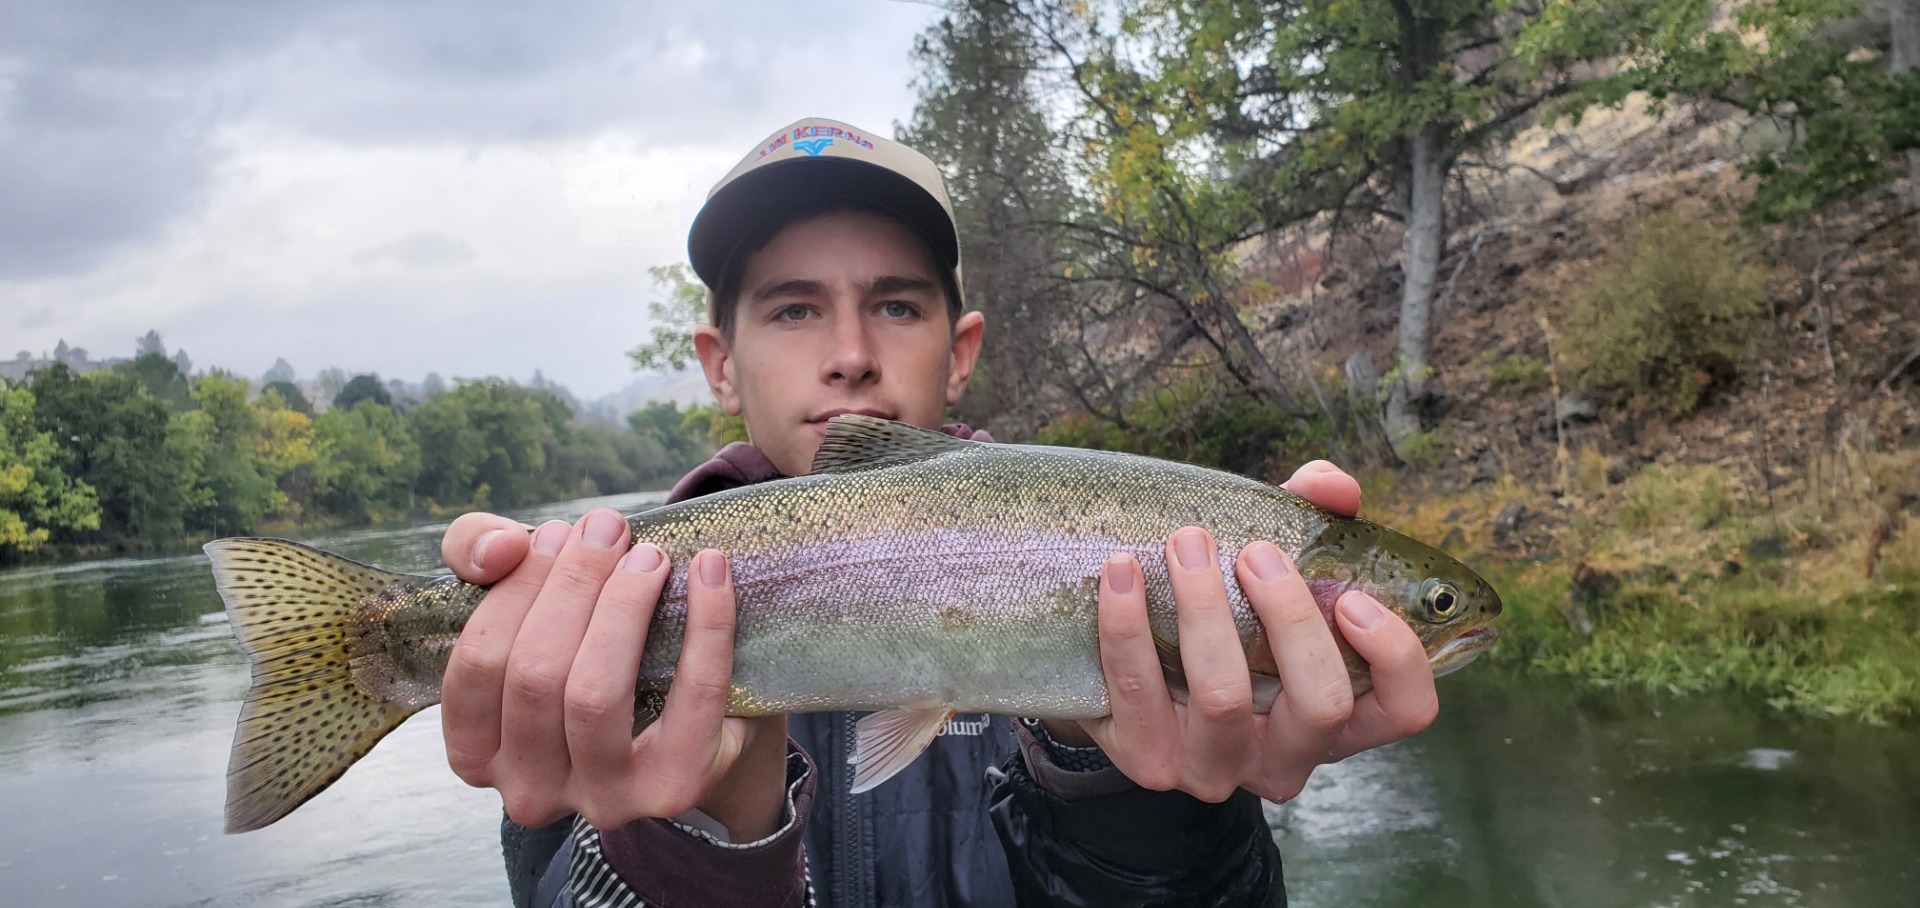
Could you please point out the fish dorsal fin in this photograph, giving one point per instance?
(855, 443)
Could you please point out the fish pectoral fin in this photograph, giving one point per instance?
(1266, 689)
(1266, 686)
(1176, 673)
(888, 741)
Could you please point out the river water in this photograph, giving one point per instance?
(119, 685)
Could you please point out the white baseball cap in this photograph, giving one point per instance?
(819, 161)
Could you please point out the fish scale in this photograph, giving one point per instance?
(911, 573)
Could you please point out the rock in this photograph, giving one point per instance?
(1618, 472)
(1577, 408)
(1767, 547)
(1453, 516)
(1507, 522)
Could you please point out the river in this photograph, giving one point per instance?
(119, 684)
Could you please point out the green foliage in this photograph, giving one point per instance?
(113, 436)
(682, 446)
(362, 387)
(37, 498)
(675, 319)
(368, 461)
(1662, 319)
(1520, 373)
(1817, 68)
(1202, 420)
(228, 490)
(290, 395)
(100, 459)
(162, 379)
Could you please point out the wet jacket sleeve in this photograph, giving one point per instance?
(664, 862)
(1095, 838)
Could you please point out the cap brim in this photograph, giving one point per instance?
(781, 188)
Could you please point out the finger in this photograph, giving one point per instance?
(600, 688)
(1317, 694)
(482, 548)
(1327, 486)
(470, 691)
(1141, 733)
(533, 734)
(1403, 701)
(1219, 726)
(687, 751)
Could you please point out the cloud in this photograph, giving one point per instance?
(494, 174)
(420, 250)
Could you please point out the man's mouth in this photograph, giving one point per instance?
(822, 418)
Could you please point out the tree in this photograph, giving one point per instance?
(288, 453)
(290, 395)
(1837, 76)
(149, 344)
(684, 309)
(218, 446)
(449, 447)
(162, 378)
(1252, 116)
(328, 384)
(368, 460)
(37, 498)
(114, 437)
(681, 442)
(282, 371)
(363, 387)
(979, 118)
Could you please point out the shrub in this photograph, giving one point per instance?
(1519, 372)
(1661, 320)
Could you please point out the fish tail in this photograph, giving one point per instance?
(304, 720)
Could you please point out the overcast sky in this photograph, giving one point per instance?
(470, 188)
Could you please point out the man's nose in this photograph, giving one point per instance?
(853, 360)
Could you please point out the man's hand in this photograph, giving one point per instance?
(538, 697)
(1215, 742)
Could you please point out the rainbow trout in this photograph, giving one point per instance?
(911, 573)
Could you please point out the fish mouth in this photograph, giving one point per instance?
(1455, 654)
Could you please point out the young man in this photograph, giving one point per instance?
(833, 263)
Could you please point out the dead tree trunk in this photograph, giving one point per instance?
(1420, 265)
(1904, 22)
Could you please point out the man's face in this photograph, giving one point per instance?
(841, 313)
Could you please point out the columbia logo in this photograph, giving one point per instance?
(959, 726)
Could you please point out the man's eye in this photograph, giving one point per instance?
(898, 309)
(792, 313)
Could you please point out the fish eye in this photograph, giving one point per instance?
(1442, 601)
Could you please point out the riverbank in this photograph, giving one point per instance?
(1689, 579)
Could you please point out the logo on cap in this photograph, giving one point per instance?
(812, 147)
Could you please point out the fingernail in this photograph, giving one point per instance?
(1268, 562)
(603, 530)
(1361, 611)
(1119, 576)
(480, 548)
(713, 569)
(1190, 547)
(550, 537)
(1320, 466)
(643, 558)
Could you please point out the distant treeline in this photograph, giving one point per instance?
(142, 451)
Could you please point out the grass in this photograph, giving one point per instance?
(1682, 579)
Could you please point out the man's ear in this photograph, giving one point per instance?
(716, 360)
(967, 333)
